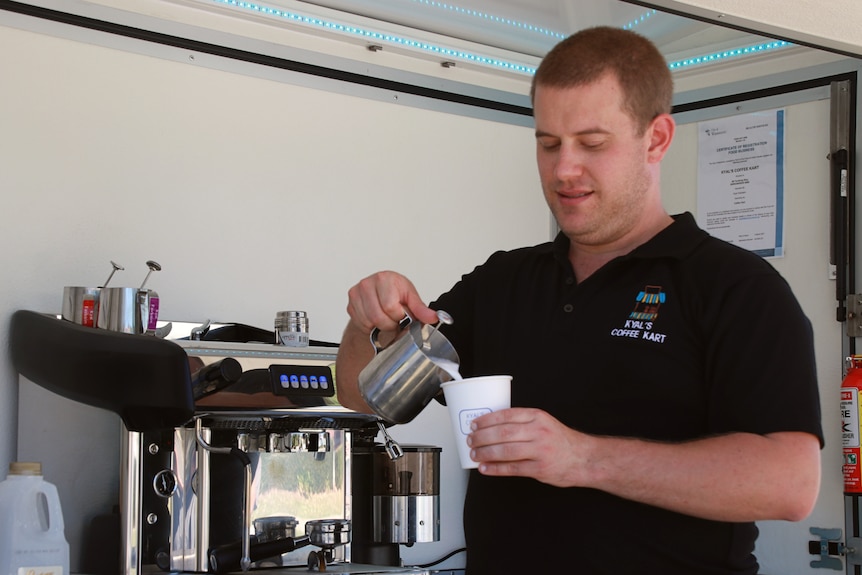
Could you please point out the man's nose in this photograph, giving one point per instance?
(570, 163)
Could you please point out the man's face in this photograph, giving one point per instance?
(593, 164)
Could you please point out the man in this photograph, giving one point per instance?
(664, 393)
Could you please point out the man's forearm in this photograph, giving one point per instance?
(354, 353)
(738, 477)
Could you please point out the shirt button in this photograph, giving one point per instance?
(568, 308)
(570, 281)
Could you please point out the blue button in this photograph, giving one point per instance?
(284, 381)
(313, 380)
(294, 382)
(303, 381)
(324, 383)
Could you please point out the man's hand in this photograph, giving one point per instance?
(378, 301)
(732, 477)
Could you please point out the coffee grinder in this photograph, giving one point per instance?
(396, 499)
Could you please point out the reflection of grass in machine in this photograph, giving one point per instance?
(279, 502)
(302, 485)
(305, 485)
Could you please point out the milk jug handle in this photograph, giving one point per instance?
(375, 333)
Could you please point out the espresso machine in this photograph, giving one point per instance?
(236, 455)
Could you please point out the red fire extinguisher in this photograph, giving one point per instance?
(850, 431)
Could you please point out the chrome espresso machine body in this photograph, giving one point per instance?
(271, 454)
(236, 454)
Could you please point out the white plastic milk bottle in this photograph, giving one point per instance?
(32, 541)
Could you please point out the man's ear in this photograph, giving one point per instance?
(660, 133)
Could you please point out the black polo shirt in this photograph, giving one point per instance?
(685, 337)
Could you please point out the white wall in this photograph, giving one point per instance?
(251, 203)
(254, 192)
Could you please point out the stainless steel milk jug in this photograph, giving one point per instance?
(405, 375)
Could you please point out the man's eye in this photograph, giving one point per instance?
(592, 144)
(548, 144)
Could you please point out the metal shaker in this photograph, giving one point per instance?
(291, 328)
(81, 305)
(122, 309)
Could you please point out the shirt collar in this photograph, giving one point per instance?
(677, 240)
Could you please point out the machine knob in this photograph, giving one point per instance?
(216, 376)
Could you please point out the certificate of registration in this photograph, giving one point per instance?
(740, 180)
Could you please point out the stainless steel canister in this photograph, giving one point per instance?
(123, 309)
(291, 328)
(81, 305)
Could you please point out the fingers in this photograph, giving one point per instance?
(417, 308)
(521, 468)
(530, 442)
(511, 441)
(504, 435)
(503, 416)
(509, 451)
(381, 300)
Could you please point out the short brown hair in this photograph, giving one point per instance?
(589, 54)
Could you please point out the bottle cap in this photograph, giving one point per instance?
(25, 468)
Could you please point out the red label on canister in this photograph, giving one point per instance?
(88, 313)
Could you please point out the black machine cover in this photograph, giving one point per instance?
(142, 378)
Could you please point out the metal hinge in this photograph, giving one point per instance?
(829, 548)
(854, 315)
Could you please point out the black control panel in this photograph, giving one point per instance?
(302, 380)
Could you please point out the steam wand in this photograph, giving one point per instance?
(393, 450)
(245, 561)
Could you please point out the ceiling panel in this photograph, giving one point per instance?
(534, 26)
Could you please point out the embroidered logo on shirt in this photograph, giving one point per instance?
(648, 302)
(640, 322)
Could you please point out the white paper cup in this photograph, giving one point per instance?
(470, 398)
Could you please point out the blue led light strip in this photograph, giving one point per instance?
(645, 16)
(557, 36)
(477, 58)
(493, 19)
(380, 37)
(728, 54)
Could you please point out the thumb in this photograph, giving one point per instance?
(418, 310)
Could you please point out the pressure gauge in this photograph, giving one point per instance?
(165, 483)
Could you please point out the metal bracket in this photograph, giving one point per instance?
(854, 315)
(829, 545)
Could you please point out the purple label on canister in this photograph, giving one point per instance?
(154, 313)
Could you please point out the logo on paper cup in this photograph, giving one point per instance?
(466, 416)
